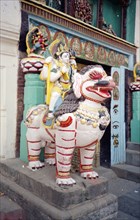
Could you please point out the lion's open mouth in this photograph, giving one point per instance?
(102, 88)
(101, 91)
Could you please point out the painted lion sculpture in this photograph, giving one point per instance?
(80, 122)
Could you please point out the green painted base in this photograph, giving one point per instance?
(42, 155)
(23, 144)
(135, 131)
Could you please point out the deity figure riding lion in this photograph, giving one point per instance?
(72, 117)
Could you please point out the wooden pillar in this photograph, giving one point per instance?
(100, 14)
(125, 4)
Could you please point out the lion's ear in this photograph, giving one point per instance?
(76, 85)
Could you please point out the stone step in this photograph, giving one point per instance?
(124, 216)
(9, 210)
(42, 184)
(133, 146)
(123, 189)
(104, 207)
(107, 173)
(128, 172)
(130, 203)
(133, 157)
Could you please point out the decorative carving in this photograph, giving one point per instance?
(108, 28)
(37, 43)
(76, 45)
(89, 50)
(83, 11)
(112, 58)
(101, 55)
(116, 78)
(61, 36)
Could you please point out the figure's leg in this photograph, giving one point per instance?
(50, 154)
(50, 118)
(86, 162)
(34, 149)
(65, 145)
(54, 97)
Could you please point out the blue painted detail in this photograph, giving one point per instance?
(118, 145)
(49, 122)
(58, 103)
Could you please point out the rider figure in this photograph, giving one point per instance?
(57, 71)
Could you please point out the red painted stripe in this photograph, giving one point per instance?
(58, 175)
(94, 142)
(33, 142)
(34, 127)
(49, 134)
(66, 123)
(83, 171)
(90, 149)
(52, 142)
(66, 148)
(66, 130)
(75, 131)
(86, 164)
(88, 158)
(62, 171)
(35, 149)
(66, 164)
(51, 147)
(68, 139)
(64, 154)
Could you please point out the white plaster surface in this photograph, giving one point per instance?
(10, 21)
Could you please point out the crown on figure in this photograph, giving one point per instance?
(57, 47)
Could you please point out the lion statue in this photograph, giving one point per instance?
(80, 122)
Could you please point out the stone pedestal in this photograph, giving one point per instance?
(41, 198)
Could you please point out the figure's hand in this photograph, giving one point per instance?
(64, 69)
(48, 60)
(73, 62)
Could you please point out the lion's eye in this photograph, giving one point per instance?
(115, 111)
(115, 126)
(94, 75)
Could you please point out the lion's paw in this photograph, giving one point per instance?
(66, 181)
(90, 175)
(35, 165)
(50, 161)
